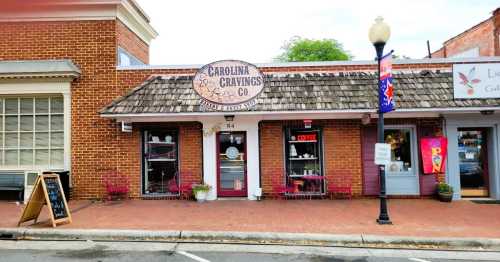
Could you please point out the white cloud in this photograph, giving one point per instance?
(198, 32)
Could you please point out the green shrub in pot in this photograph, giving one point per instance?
(445, 192)
(200, 191)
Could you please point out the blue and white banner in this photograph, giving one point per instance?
(386, 90)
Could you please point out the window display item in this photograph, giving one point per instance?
(168, 139)
(232, 152)
(293, 151)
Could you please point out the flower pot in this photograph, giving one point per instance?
(201, 196)
(445, 197)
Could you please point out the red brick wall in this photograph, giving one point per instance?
(481, 36)
(129, 41)
(484, 35)
(191, 153)
(342, 145)
(271, 154)
(439, 53)
(342, 151)
(92, 46)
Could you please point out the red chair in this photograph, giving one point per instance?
(173, 188)
(116, 185)
(186, 188)
(343, 188)
(280, 188)
(186, 191)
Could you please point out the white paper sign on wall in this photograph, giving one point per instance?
(382, 154)
(476, 80)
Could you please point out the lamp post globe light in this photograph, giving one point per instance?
(379, 35)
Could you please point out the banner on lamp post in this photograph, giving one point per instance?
(386, 89)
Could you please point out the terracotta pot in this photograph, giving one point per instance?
(445, 197)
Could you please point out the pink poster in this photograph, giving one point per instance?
(434, 150)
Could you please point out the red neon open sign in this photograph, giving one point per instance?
(308, 137)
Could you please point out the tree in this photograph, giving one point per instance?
(394, 56)
(299, 49)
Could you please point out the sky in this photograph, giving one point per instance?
(201, 31)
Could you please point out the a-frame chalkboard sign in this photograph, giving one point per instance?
(47, 191)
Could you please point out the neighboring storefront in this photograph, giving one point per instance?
(474, 137)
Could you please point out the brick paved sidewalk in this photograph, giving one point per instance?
(411, 217)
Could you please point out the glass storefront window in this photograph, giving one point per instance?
(32, 132)
(304, 160)
(401, 156)
(161, 174)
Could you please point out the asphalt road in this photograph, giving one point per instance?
(56, 251)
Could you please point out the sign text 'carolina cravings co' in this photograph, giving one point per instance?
(228, 85)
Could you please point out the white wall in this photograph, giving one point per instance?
(214, 124)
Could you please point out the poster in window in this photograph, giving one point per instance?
(434, 151)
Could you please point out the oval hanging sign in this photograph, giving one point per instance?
(228, 85)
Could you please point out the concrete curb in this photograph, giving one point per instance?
(355, 240)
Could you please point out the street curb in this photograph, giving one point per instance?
(354, 240)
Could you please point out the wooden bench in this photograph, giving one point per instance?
(12, 182)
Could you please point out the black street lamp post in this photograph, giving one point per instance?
(379, 34)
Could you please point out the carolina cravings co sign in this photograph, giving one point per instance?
(228, 85)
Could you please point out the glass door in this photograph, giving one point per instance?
(472, 156)
(231, 163)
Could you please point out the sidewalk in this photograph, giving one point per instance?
(411, 217)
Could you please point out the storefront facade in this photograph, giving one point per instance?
(308, 148)
(473, 159)
(311, 126)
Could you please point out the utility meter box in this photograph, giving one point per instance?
(29, 182)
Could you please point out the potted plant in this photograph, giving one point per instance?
(200, 192)
(445, 192)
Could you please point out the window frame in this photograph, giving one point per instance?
(33, 113)
(319, 143)
(144, 133)
(413, 149)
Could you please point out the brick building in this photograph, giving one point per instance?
(482, 39)
(73, 78)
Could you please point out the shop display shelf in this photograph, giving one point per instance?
(297, 158)
(301, 176)
(161, 143)
(161, 159)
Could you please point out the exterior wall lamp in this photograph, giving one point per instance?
(229, 118)
(366, 119)
(379, 34)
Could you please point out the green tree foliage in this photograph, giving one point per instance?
(300, 49)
